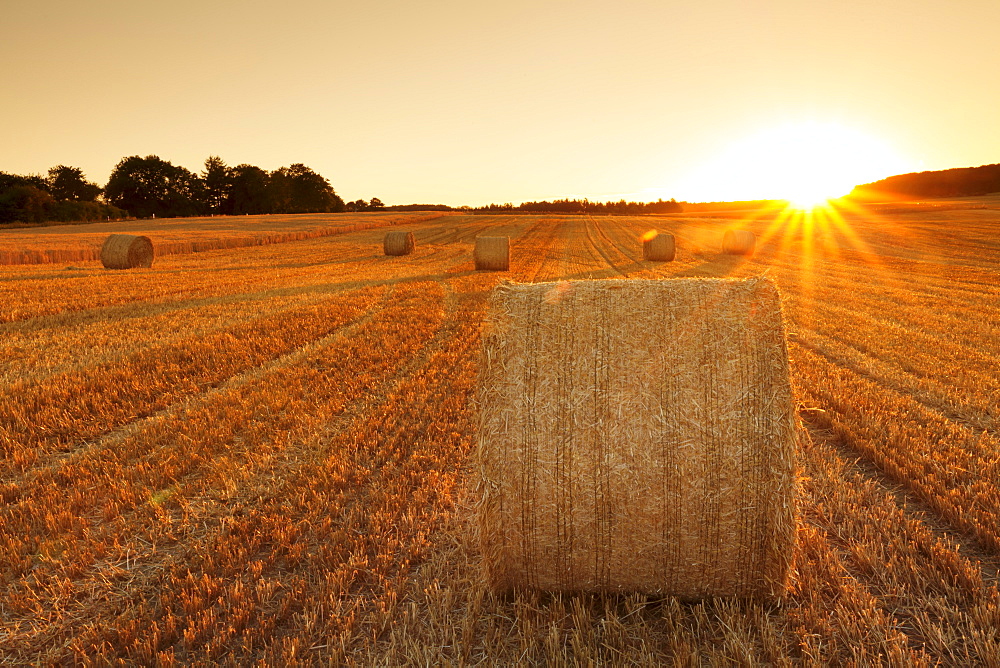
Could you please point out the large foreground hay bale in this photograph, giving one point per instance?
(659, 247)
(738, 242)
(125, 251)
(397, 242)
(636, 435)
(492, 253)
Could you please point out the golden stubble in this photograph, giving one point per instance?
(262, 455)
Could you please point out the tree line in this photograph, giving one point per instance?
(64, 195)
(961, 182)
(620, 208)
(145, 187)
(149, 186)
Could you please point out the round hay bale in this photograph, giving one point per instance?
(636, 435)
(398, 242)
(492, 253)
(738, 242)
(125, 251)
(659, 248)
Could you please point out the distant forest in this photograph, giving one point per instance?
(146, 187)
(734, 205)
(961, 182)
(558, 206)
(62, 196)
(620, 208)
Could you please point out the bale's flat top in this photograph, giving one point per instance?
(636, 435)
(493, 242)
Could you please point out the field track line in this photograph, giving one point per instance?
(556, 258)
(195, 363)
(204, 519)
(100, 582)
(459, 343)
(911, 505)
(164, 303)
(632, 251)
(591, 227)
(900, 389)
(362, 408)
(109, 439)
(333, 294)
(338, 262)
(931, 284)
(199, 245)
(884, 309)
(933, 610)
(138, 334)
(947, 309)
(532, 245)
(589, 262)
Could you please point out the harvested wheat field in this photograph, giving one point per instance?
(264, 454)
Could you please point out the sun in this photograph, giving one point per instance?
(811, 163)
(806, 199)
(805, 163)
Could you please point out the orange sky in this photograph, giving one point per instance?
(469, 102)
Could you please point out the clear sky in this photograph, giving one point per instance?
(476, 101)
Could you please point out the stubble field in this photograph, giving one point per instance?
(262, 454)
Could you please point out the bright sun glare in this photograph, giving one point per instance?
(804, 163)
(816, 162)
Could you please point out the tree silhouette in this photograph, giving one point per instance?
(298, 189)
(620, 207)
(25, 203)
(151, 186)
(249, 191)
(959, 182)
(69, 184)
(217, 178)
(8, 181)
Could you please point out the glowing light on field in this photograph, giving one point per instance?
(803, 163)
(804, 169)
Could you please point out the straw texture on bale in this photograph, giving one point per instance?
(492, 253)
(397, 242)
(125, 251)
(738, 242)
(636, 435)
(659, 248)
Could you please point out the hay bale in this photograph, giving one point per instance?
(398, 242)
(659, 247)
(492, 253)
(738, 242)
(636, 435)
(125, 251)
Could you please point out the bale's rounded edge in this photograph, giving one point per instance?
(127, 251)
(398, 242)
(660, 248)
(738, 242)
(772, 548)
(492, 253)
